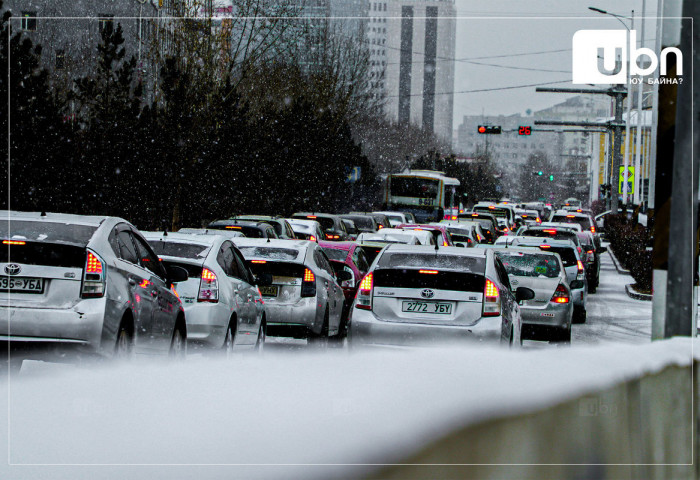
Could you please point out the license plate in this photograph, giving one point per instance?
(22, 284)
(269, 291)
(427, 307)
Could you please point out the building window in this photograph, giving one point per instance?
(60, 59)
(28, 21)
(106, 21)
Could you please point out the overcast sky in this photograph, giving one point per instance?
(495, 28)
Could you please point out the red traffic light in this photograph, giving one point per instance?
(489, 129)
(482, 129)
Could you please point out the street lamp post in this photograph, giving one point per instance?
(625, 196)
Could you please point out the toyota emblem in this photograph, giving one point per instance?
(12, 269)
(427, 293)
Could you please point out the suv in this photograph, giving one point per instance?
(332, 225)
(414, 294)
(282, 227)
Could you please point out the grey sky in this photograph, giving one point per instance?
(506, 27)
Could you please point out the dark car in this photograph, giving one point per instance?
(350, 228)
(489, 224)
(282, 227)
(332, 225)
(249, 229)
(583, 219)
(363, 223)
(381, 219)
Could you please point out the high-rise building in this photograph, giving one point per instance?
(412, 48)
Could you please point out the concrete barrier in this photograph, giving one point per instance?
(640, 428)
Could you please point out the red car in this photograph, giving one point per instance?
(442, 236)
(346, 256)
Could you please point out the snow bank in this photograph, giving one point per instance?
(287, 408)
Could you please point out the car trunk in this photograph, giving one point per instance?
(439, 298)
(543, 287)
(41, 274)
(189, 289)
(287, 280)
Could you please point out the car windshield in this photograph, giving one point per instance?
(453, 262)
(179, 249)
(530, 264)
(585, 222)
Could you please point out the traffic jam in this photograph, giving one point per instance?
(422, 271)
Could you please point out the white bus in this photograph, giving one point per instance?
(429, 195)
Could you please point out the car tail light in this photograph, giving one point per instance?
(312, 238)
(259, 261)
(454, 217)
(545, 246)
(308, 284)
(446, 217)
(364, 292)
(580, 275)
(590, 255)
(429, 272)
(492, 300)
(311, 216)
(538, 220)
(93, 277)
(561, 295)
(172, 287)
(592, 229)
(379, 227)
(550, 230)
(208, 287)
(571, 216)
(13, 242)
(445, 244)
(332, 237)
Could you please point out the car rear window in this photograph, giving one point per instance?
(364, 223)
(568, 257)
(387, 238)
(326, 222)
(336, 254)
(455, 262)
(497, 212)
(178, 249)
(248, 231)
(52, 232)
(445, 280)
(44, 253)
(273, 253)
(193, 271)
(557, 235)
(583, 221)
(530, 264)
(278, 269)
(370, 252)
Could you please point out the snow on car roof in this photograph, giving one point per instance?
(193, 238)
(93, 220)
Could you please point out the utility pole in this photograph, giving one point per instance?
(615, 126)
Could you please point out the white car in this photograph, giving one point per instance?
(306, 229)
(396, 235)
(396, 218)
(223, 306)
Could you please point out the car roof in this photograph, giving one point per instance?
(194, 238)
(525, 240)
(469, 252)
(272, 242)
(91, 220)
(347, 246)
(315, 214)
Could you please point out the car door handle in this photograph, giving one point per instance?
(132, 281)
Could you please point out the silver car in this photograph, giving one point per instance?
(416, 294)
(303, 298)
(223, 306)
(575, 270)
(547, 316)
(74, 284)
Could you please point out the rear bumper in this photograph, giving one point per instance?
(287, 319)
(79, 328)
(554, 315)
(367, 329)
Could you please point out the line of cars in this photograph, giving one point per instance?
(84, 286)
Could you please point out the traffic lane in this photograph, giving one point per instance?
(612, 315)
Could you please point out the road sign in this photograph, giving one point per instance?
(353, 175)
(628, 176)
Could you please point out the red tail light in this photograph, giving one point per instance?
(580, 265)
(561, 295)
(550, 230)
(545, 246)
(538, 220)
(258, 261)
(364, 292)
(13, 242)
(93, 277)
(430, 272)
(445, 244)
(308, 284)
(592, 229)
(379, 227)
(208, 287)
(312, 238)
(492, 300)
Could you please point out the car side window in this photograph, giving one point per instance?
(323, 262)
(147, 259)
(502, 274)
(359, 258)
(226, 261)
(245, 274)
(127, 250)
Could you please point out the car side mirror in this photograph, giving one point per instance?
(176, 274)
(263, 279)
(524, 293)
(344, 276)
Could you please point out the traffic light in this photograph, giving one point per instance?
(489, 129)
(540, 173)
(551, 178)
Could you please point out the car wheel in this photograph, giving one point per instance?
(262, 336)
(320, 340)
(178, 346)
(579, 315)
(124, 346)
(561, 335)
(227, 347)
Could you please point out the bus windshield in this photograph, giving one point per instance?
(414, 187)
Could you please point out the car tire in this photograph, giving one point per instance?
(592, 287)
(579, 315)
(124, 345)
(320, 340)
(561, 335)
(227, 347)
(262, 336)
(178, 343)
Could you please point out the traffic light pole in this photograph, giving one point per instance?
(616, 126)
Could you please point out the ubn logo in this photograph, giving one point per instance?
(600, 57)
